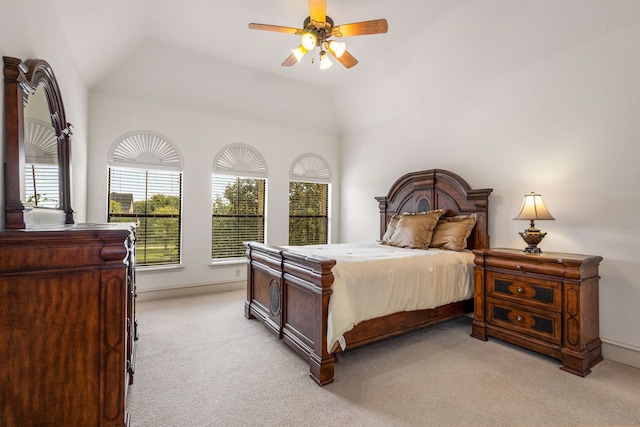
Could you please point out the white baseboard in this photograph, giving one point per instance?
(188, 290)
(620, 352)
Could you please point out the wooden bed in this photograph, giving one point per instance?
(290, 292)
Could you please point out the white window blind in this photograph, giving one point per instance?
(153, 200)
(42, 185)
(238, 214)
(308, 213)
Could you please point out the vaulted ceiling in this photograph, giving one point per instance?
(200, 54)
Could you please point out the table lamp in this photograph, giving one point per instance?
(533, 208)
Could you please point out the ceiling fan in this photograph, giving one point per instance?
(317, 31)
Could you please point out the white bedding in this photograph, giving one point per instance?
(373, 280)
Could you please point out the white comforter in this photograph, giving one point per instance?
(373, 280)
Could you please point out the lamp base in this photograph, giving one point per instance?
(532, 249)
(532, 236)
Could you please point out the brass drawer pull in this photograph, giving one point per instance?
(518, 266)
(520, 290)
(519, 318)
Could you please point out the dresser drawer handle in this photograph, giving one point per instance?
(518, 266)
(520, 290)
(519, 318)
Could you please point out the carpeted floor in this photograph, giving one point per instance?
(200, 362)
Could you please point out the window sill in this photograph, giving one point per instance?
(153, 268)
(227, 262)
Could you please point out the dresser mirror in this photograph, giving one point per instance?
(37, 147)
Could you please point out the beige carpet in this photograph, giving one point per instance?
(200, 362)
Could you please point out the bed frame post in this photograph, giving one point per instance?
(264, 286)
(307, 289)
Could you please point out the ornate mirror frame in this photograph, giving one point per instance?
(21, 79)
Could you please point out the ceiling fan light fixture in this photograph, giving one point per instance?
(299, 52)
(317, 30)
(308, 40)
(337, 48)
(325, 62)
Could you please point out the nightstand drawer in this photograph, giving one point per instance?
(526, 290)
(532, 265)
(536, 323)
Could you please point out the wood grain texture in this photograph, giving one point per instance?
(545, 302)
(64, 312)
(20, 80)
(306, 281)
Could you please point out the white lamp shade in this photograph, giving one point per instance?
(533, 208)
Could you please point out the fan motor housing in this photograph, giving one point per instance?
(323, 29)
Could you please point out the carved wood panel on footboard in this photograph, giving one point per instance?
(290, 293)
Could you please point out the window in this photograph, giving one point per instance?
(308, 213)
(238, 202)
(41, 171)
(309, 201)
(145, 187)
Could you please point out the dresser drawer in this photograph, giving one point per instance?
(528, 290)
(526, 320)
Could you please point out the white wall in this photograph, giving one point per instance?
(199, 137)
(30, 29)
(518, 96)
(556, 112)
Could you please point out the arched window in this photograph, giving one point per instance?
(145, 187)
(238, 193)
(309, 187)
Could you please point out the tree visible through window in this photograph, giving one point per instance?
(152, 200)
(238, 207)
(308, 213)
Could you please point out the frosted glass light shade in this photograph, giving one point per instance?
(299, 52)
(308, 40)
(325, 62)
(337, 48)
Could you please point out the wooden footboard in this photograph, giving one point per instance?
(290, 294)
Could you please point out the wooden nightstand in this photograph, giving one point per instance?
(545, 302)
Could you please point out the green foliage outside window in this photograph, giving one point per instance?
(308, 213)
(238, 206)
(157, 216)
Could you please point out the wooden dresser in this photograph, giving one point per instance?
(545, 302)
(67, 325)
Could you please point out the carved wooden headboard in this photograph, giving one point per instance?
(438, 189)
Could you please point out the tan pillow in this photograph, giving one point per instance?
(452, 232)
(391, 227)
(415, 231)
(393, 221)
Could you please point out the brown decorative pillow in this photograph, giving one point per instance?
(415, 230)
(452, 232)
(391, 227)
(393, 221)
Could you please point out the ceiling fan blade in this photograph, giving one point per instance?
(275, 28)
(318, 10)
(290, 61)
(376, 26)
(346, 59)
